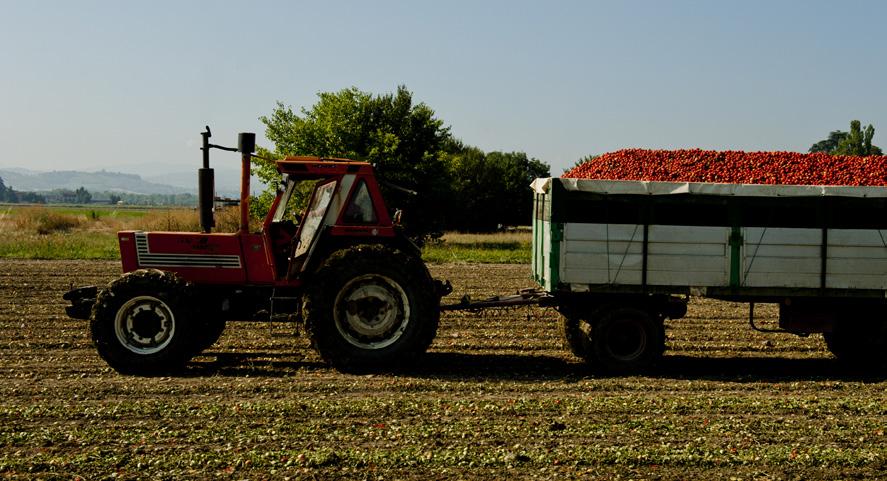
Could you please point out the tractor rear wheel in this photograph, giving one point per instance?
(371, 307)
(141, 323)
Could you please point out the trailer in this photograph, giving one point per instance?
(619, 257)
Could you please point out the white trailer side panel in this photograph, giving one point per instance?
(857, 259)
(575, 247)
(677, 255)
(781, 257)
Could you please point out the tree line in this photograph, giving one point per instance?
(855, 142)
(83, 196)
(8, 194)
(458, 186)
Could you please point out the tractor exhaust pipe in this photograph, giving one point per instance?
(206, 187)
(246, 145)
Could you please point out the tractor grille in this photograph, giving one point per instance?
(148, 259)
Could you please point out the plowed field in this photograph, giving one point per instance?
(497, 397)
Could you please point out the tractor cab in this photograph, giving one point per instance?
(321, 204)
(344, 203)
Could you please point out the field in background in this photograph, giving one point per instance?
(497, 397)
(72, 232)
(499, 248)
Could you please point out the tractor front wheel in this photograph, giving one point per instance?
(141, 324)
(371, 307)
(210, 332)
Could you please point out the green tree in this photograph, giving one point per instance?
(83, 196)
(858, 141)
(27, 197)
(403, 138)
(4, 191)
(491, 189)
(855, 142)
(830, 144)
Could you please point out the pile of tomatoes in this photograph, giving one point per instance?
(734, 167)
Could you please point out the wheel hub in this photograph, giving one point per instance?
(371, 311)
(144, 325)
(626, 340)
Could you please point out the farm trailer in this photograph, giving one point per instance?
(618, 257)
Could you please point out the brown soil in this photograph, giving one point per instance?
(496, 397)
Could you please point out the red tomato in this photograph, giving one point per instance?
(735, 167)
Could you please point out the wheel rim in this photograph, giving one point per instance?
(626, 340)
(144, 325)
(371, 311)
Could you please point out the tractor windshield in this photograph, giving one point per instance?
(314, 216)
(284, 206)
(294, 197)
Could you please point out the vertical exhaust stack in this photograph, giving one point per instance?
(246, 145)
(206, 187)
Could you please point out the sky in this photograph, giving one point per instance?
(128, 86)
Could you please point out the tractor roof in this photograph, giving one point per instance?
(319, 166)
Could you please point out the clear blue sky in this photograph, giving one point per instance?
(129, 85)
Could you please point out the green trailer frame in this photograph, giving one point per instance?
(560, 202)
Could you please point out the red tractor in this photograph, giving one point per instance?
(342, 267)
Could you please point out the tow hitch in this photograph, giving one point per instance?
(82, 299)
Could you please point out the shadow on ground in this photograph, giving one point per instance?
(731, 369)
(534, 367)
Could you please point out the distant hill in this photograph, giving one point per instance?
(23, 180)
(227, 181)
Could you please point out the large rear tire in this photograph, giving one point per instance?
(142, 324)
(371, 307)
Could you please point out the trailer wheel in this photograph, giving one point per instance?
(141, 323)
(371, 307)
(627, 339)
(862, 347)
(574, 338)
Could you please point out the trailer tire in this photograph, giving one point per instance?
(142, 323)
(626, 339)
(574, 338)
(370, 307)
(862, 347)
